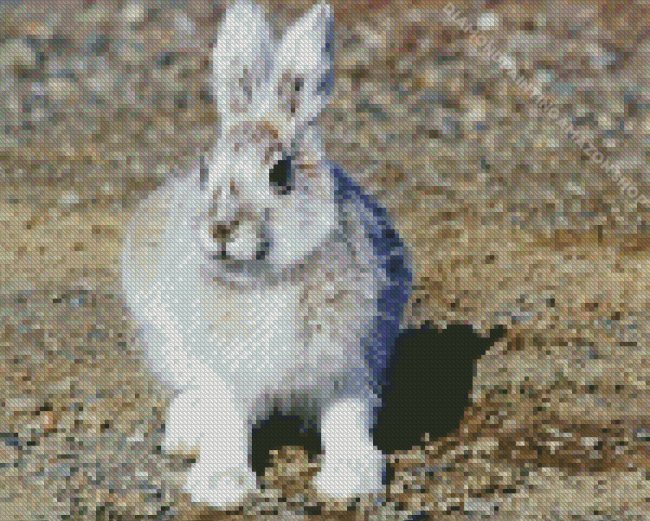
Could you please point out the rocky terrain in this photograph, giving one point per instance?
(509, 220)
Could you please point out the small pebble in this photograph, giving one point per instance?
(69, 199)
(183, 26)
(134, 13)
(599, 58)
(17, 56)
(488, 21)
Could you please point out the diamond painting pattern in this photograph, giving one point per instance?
(372, 260)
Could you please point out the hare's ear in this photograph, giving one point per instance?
(241, 58)
(302, 74)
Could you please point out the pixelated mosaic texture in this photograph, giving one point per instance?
(507, 221)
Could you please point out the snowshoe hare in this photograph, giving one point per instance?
(267, 279)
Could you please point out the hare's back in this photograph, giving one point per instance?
(391, 265)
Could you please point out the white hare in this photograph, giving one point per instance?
(267, 279)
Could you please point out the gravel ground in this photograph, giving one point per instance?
(509, 221)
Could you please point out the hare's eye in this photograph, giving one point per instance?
(280, 175)
(203, 173)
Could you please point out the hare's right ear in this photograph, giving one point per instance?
(241, 59)
(302, 74)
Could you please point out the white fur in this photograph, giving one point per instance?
(234, 337)
(253, 90)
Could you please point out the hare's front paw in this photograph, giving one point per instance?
(208, 415)
(219, 487)
(182, 422)
(347, 474)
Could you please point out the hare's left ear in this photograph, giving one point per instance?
(241, 59)
(303, 66)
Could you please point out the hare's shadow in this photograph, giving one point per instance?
(429, 389)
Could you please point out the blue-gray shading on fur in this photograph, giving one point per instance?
(393, 259)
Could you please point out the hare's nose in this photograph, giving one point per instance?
(223, 231)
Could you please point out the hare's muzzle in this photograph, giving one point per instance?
(240, 239)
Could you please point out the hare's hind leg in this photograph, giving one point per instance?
(352, 465)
